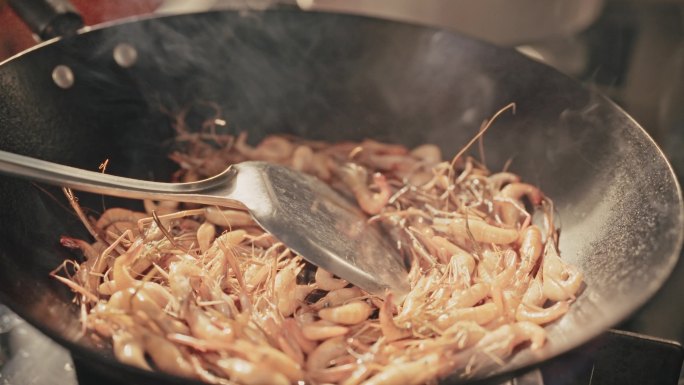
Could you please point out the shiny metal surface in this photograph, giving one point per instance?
(301, 211)
(63, 77)
(125, 55)
(336, 78)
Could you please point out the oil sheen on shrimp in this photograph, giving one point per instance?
(205, 293)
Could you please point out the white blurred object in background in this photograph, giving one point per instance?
(500, 22)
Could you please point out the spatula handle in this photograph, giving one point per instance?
(95, 182)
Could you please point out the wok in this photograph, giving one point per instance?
(332, 77)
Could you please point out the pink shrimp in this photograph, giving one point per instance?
(284, 289)
(86, 248)
(560, 280)
(530, 249)
(541, 316)
(479, 314)
(337, 297)
(167, 356)
(351, 313)
(302, 158)
(324, 353)
(129, 349)
(429, 154)
(518, 190)
(355, 176)
(374, 146)
(409, 373)
(500, 343)
(469, 297)
(333, 374)
(481, 231)
(272, 148)
(229, 218)
(249, 373)
(322, 330)
(509, 200)
(389, 329)
(202, 327)
(462, 258)
(118, 215)
(293, 329)
(270, 358)
(206, 234)
(160, 207)
(206, 293)
(500, 179)
(325, 280)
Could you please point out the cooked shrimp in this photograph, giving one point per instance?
(325, 281)
(429, 154)
(541, 316)
(469, 297)
(86, 248)
(248, 373)
(302, 158)
(348, 314)
(409, 373)
(374, 146)
(530, 249)
(180, 275)
(166, 356)
(291, 327)
(323, 330)
(499, 179)
(528, 331)
(518, 190)
(203, 292)
(357, 376)
(116, 214)
(333, 374)
(206, 234)
(481, 231)
(285, 284)
(561, 280)
(462, 258)
(272, 148)
(355, 177)
(270, 358)
(161, 207)
(510, 204)
(202, 327)
(129, 350)
(479, 314)
(229, 218)
(325, 353)
(386, 316)
(338, 297)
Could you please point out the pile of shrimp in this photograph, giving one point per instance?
(205, 293)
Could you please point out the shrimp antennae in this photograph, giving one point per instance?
(485, 126)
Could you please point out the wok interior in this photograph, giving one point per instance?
(332, 77)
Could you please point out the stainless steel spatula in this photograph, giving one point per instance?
(301, 211)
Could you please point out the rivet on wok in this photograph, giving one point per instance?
(125, 55)
(63, 76)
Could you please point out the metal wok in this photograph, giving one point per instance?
(330, 77)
